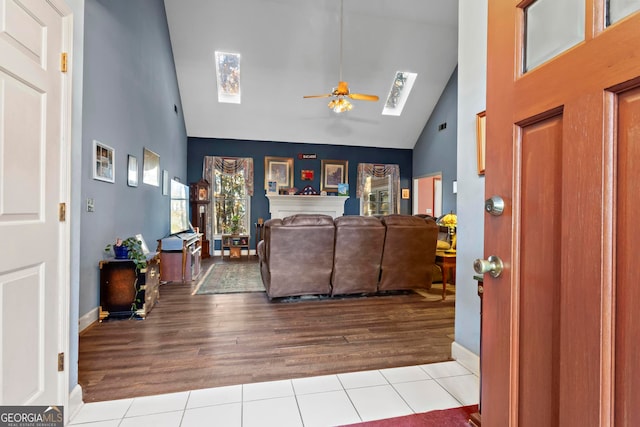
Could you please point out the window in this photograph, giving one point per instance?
(229, 200)
(378, 189)
(231, 181)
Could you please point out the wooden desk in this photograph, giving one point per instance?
(447, 262)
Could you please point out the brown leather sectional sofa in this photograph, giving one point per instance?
(309, 254)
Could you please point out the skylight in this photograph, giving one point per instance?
(228, 77)
(399, 92)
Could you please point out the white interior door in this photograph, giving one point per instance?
(33, 182)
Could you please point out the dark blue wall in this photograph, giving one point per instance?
(129, 93)
(436, 150)
(198, 148)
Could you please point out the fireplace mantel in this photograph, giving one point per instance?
(282, 206)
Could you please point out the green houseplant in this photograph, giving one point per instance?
(133, 248)
(235, 224)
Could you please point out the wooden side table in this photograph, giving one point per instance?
(447, 262)
(235, 244)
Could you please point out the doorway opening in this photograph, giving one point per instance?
(427, 195)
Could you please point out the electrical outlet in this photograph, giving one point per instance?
(90, 207)
(429, 211)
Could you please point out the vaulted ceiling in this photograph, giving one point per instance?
(291, 48)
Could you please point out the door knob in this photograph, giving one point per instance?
(494, 205)
(493, 266)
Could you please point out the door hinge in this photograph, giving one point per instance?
(62, 212)
(63, 62)
(60, 362)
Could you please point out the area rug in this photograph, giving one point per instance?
(454, 417)
(229, 278)
(435, 293)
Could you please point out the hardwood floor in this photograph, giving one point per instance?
(191, 342)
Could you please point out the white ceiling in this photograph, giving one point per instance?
(291, 48)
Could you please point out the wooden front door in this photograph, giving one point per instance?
(561, 324)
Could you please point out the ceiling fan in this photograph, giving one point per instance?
(340, 104)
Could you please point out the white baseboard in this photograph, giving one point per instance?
(466, 358)
(75, 402)
(88, 319)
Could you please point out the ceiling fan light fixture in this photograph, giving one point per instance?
(340, 105)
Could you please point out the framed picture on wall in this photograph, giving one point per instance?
(151, 168)
(103, 164)
(333, 172)
(132, 171)
(481, 135)
(165, 183)
(278, 170)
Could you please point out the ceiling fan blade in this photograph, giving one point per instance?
(327, 95)
(362, 97)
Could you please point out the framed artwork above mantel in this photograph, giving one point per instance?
(278, 170)
(333, 173)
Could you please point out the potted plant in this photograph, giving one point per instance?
(235, 225)
(129, 248)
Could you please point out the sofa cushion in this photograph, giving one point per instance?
(358, 253)
(409, 253)
(302, 220)
(298, 255)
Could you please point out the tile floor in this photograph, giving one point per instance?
(317, 401)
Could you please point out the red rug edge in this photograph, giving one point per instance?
(452, 417)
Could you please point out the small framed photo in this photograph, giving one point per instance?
(272, 187)
(165, 183)
(481, 135)
(103, 164)
(405, 193)
(306, 175)
(132, 171)
(151, 168)
(333, 172)
(278, 169)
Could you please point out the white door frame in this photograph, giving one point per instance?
(437, 205)
(59, 11)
